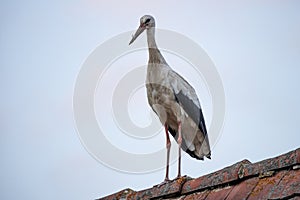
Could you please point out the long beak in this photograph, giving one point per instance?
(137, 33)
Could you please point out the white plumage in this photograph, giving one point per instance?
(174, 100)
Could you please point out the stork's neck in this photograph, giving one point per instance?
(154, 53)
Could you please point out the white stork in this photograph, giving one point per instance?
(175, 102)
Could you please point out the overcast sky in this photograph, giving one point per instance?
(255, 46)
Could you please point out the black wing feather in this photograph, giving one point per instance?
(183, 145)
(192, 110)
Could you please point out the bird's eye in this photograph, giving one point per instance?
(147, 20)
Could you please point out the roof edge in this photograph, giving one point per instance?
(227, 176)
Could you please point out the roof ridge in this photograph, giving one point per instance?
(241, 174)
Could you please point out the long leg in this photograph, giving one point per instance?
(179, 141)
(168, 146)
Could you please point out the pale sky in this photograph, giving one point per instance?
(255, 46)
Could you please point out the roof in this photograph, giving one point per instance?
(274, 178)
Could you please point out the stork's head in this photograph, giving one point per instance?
(146, 22)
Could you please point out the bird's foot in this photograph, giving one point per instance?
(182, 179)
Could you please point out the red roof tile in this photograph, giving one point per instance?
(244, 189)
(274, 178)
(197, 195)
(265, 186)
(288, 186)
(219, 193)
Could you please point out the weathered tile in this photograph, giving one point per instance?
(243, 190)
